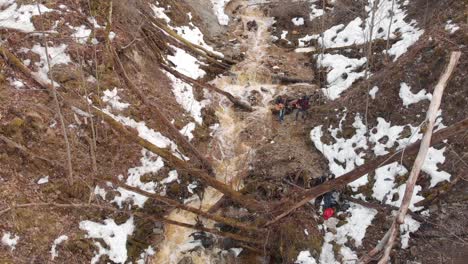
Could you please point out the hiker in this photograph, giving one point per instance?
(329, 204)
(302, 106)
(280, 105)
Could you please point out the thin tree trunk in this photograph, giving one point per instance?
(57, 105)
(421, 157)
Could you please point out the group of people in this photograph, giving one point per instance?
(284, 105)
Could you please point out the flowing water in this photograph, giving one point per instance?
(235, 151)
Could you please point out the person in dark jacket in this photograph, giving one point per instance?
(302, 106)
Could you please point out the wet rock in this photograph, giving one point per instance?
(252, 25)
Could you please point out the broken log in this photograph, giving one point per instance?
(139, 214)
(236, 101)
(209, 55)
(171, 202)
(369, 166)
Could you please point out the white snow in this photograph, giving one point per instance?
(16, 83)
(184, 96)
(18, 17)
(218, 8)
(304, 50)
(112, 98)
(355, 33)
(385, 180)
(10, 240)
(373, 92)
(147, 133)
(43, 180)
(186, 63)
(410, 98)
(341, 73)
(150, 163)
(195, 36)
(159, 13)
(315, 10)
(305, 257)
(302, 41)
(115, 237)
(173, 176)
(57, 55)
(81, 34)
(381, 131)
(57, 241)
(187, 130)
(433, 158)
(355, 228)
(298, 21)
(409, 226)
(450, 27)
(349, 152)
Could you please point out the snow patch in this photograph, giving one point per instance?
(305, 257)
(115, 237)
(112, 98)
(341, 73)
(298, 21)
(57, 241)
(184, 96)
(410, 98)
(450, 27)
(10, 240)
(218, 8)
(57, 55)
(433, 158)
(18, 17)
(186, 63)
(373, 92)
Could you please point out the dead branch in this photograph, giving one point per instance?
(183, 166)
(171, 202)
(423, 150)
(236, 101)
(57, 104)
(372, 165)
(139, 214)
(173, 131)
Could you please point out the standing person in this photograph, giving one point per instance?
(280, 105)
(302, 107)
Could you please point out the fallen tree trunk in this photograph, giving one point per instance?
(209, 55)
(290, 80)
(153, 108)
(183, 166)
(139, 214)
(236, 101)
(372, 165)
(171, 202)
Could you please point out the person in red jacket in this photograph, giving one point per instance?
(302, 106)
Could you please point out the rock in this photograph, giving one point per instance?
(186, 260)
